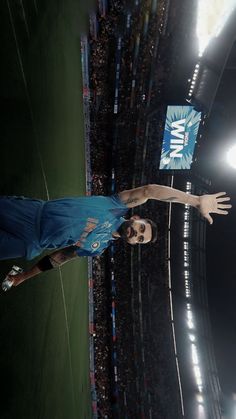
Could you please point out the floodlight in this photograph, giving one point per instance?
(197, 373)
(212, 17)
(192, 338)
(194, 354)
(200, 398)
(231, 157)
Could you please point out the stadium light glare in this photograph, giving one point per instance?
(212, 17)
(231, 156)
(194, 354)
(197, 373)
(192, 338)
(200, 399)
(190, 323)
(190, 319)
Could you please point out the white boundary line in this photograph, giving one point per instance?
(28, 96)
(36, 6)
(171, 306)
(24, 17)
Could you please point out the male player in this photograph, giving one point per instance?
(84, 226)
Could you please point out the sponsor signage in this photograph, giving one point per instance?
(181, 129)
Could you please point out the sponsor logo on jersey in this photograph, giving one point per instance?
(95, 245)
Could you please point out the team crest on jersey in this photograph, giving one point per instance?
(95, 245)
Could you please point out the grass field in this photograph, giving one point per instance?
(44, 323)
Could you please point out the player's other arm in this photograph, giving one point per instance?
(54, 260)
(206, 204)
(138, 196)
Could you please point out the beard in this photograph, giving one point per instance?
(126, 228)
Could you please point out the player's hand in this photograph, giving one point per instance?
(214, 203)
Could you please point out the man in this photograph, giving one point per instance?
(84, 226)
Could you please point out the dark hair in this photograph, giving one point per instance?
(154, 230)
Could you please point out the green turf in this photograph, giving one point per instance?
(44, 323)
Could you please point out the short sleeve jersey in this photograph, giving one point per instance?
(86, 222)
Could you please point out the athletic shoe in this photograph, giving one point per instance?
(7, 284)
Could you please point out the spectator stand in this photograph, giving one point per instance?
(87, 128)
(93, 25)
(103, 7)
(136, 57)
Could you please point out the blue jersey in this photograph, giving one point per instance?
(87, 223)
(30, 226)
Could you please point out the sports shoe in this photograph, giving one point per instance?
(7, 283)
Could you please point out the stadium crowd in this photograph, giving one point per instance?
(132, 369)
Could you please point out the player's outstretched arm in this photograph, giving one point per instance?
(206, 204)
(54, 260)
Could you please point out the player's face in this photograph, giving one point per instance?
(136, 231)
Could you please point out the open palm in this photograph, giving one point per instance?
(214, 203)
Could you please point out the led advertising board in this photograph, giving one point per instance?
(181, 129)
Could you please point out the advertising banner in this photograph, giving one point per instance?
(181, 129)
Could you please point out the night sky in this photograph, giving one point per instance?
(221, 237)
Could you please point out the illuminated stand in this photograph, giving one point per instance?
(199, 381)
(198, 373)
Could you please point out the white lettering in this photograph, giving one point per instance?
(177, 144)
(179, 127)
(177, 149)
